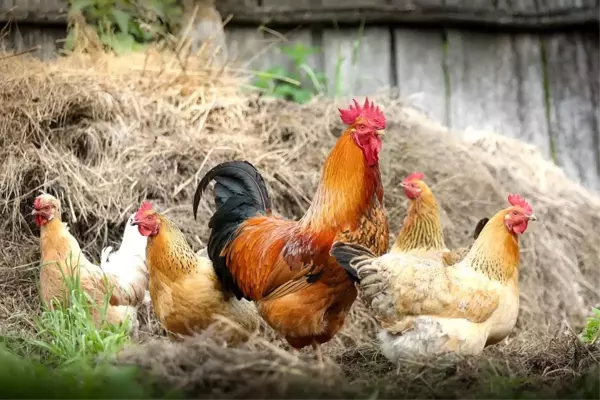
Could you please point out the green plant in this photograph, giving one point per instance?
(125, 25)
(69, 334)
(29, 379)
(70, 357)
(289, 85)
(591, 330)
(356, 43)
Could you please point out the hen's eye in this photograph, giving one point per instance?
(148, 217)
(515, 213)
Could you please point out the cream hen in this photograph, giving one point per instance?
(61, 256)
(426, 308)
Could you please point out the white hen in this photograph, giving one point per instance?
(129, 262)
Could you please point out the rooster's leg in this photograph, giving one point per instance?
(317, 349)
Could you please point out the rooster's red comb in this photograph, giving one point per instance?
(368, 111)
(146, 206)
(415, 176)
(517, 201)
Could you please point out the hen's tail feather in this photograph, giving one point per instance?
(348, 255)
(104, 256)
(479, 227)
(240, 193)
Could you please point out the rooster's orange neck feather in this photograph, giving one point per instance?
(346, 189)
(496, 251)
(422, 228)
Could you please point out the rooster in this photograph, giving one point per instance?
(285, 265)
(129, 262)
(421, 234)
(186, 295)
(426, 308)
(61, 256)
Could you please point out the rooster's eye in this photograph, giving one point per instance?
(148, 217)
(362, 127)
(515, 213)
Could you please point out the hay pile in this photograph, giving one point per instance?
(103, 133)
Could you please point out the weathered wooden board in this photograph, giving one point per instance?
(316, 4)
(420, 70)
(572, 68)
(34, 11)
(25, 37)
(247, 47)
(357, 65)
(527, 14)
(287, 46)
(531, 98)
(483, 86)
(6, 6)
(418, 4)
(277, 55)
(497, 84)
(510, 14)
(592, 47)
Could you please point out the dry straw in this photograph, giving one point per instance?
(103, 133)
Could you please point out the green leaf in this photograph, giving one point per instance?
(284, 91)
(122, 19)
(303, 96)
(80, 5)
(298, 53)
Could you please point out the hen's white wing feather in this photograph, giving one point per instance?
(129, 262)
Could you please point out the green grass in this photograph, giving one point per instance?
(70, 357)
(591, 331)
(28, 378)
(68, 334)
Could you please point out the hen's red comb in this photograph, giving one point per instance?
(368, 111)
(37, 203)
(415, 176)
(146, 206)
(517, 201)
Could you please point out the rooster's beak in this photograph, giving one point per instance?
(533, 218)
(34, 212)
(401, 184)
(135, 222)
(380, 132)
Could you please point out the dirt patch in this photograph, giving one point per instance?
(534, 364)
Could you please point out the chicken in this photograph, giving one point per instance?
(129, 262)
(186, 295)
(421, 234)
(451, 257)
(427, 309)
(285, 265)
(61, 256)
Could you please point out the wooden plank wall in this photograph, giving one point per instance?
(540, 87)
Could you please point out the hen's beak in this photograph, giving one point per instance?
(401, 184)
(135, 222)
(533, 218)
(35, 212)
(380, 132)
